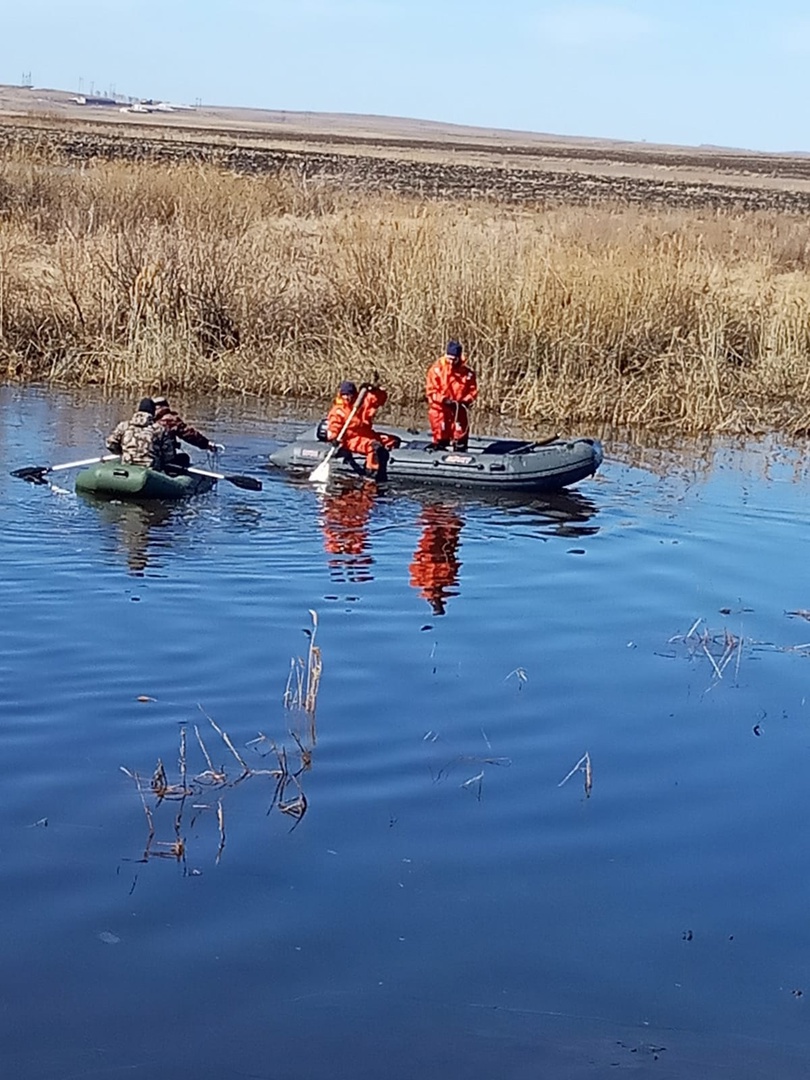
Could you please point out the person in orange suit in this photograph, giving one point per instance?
(360, 436)
(344, 520)
(451, 387)
(435, 566)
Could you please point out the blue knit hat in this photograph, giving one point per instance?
(453, 349)
(147, 405)
(348, 389)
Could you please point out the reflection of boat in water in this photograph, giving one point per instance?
(558, 513)
(136, 524)
(347, 510)
(487, 463)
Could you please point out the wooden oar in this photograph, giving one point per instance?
(320, 474)
(35, 474)
(249, 483)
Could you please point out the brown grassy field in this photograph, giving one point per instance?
(592, 283)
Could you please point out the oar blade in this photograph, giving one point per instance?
(320, 474)
(249, 483)
(34, 474)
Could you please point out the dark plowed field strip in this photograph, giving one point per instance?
(434, 179)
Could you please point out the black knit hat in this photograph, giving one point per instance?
(147, 405)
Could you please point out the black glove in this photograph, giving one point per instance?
(366, 386)
(449, 401)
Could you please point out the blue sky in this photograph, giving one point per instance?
(687, 72)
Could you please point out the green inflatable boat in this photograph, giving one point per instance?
(113, 480)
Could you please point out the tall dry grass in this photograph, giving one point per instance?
(156, 276)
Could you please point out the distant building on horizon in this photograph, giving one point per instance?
(86, 99)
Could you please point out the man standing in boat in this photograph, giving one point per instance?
(357, 416)
(451, 387)
(140, 441)
(177, 428)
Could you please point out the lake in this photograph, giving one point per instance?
(545, 816)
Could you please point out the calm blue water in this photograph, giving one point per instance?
(444, 906)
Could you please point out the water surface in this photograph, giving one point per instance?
(428, 898)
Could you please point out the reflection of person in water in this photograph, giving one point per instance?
(344, 521)
(136, 525)
(435, 566)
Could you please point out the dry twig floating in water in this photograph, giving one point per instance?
(584, 766)
(478, 779)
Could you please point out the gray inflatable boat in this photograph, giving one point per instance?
(495, 464)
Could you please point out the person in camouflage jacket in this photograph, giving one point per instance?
(176, 426)
(140, 441)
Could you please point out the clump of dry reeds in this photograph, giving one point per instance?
(718, 648)
(186, 276)
(300, 700)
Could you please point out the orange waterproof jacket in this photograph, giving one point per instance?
(453, 382)
(360, 427)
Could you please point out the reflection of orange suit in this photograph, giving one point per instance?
(345, 530)
(450, 387)
(435, 566)
(360, 435)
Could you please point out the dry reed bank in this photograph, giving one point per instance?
(144, 275)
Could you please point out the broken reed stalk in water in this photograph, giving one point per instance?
(161, 788)
(182, 757)
(584, 766)
(216, 776)
(304, 699)
(718, 648)
(224, 736)
(221, 824)
(150, 820)
(314, 669)
(304, 680)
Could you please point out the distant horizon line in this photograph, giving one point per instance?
(481, 129)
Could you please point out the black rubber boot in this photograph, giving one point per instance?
(380, 473)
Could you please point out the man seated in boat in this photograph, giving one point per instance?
(356, 414)
(140, 441)
(451, 387)
(179, 429)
